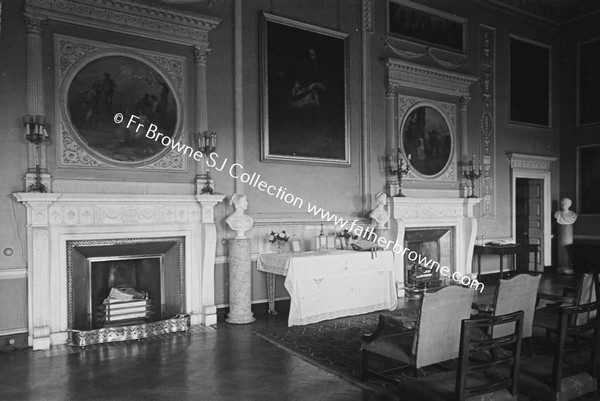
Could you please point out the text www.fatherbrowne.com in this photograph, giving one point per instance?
(254, 180)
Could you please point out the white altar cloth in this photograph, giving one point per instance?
(330, 284)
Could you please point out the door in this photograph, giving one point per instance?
(529, 219)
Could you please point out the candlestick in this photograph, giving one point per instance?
(398, 167)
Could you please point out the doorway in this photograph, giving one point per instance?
(529, 219)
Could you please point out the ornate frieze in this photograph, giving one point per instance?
(409, 75)
(530, 162)
(487, 126)
(129, 16)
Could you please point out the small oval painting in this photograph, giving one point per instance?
(120, 84)
(427, 139)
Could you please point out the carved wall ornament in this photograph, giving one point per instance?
(129, 17)
(34, 24)
(410, 75)
(74, 150)
(428, 53)
(408, 104)
(487, 126)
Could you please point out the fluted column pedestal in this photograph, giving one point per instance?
(240, 282)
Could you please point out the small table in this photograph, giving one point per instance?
(330, 284)
(501, 250)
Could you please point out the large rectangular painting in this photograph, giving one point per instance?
(530, 88)
(589, 82)
(414, 22)
(304, 93)
(588, 179)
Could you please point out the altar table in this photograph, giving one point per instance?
(330, 284)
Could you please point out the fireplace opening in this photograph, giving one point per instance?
(123, 288)
(125, 291)
(433, 244)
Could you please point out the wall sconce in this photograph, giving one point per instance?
(35, 133)
(207, 144)
(399, 168)
(469, 171)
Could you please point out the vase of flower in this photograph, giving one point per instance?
(346, 235)
(279, 239)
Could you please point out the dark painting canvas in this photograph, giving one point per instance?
(304, 94)
(119, 84)
(529, 83)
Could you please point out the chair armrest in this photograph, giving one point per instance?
(557, 298)
(395, 324)
(483, 308)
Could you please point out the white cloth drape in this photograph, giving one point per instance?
(330, 284)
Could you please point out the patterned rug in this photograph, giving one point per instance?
(335, 344)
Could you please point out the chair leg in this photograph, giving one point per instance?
(364, 367)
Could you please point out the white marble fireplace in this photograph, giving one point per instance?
(455, 214)
(55, 218)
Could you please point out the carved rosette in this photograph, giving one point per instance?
(72, 54)
(405, 104)
(487, 126)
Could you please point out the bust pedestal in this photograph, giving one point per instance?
(564, 238)
(240, 282)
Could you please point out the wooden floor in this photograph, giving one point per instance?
(226, 363)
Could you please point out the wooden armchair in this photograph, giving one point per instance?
(574, 367)
(475, 379)
(434, 338)
(585, 292)
(512, 295)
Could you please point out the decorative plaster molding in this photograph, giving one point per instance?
(428, 52)
(367, 15)
(71, 55)
(448, 110)
(529, 162)
(430, 208)
(62, 185)
(11, 274)
(131, 17)
(410, 75)
(34, 24)
(487, 119)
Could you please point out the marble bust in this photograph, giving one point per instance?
(379, 215)
(565, 216)
(238, 221)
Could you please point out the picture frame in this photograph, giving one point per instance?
(427, 139)
(100, 142)
(530, 82)
(588, 179)
(588, 82)
(411, 21)
(330, 242)
(296, 246)
(304, 93)
(104, 85)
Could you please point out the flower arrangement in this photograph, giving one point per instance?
(278, 238)
(347, 236)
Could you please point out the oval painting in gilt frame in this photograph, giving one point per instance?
(427, 141)
(121, 84)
